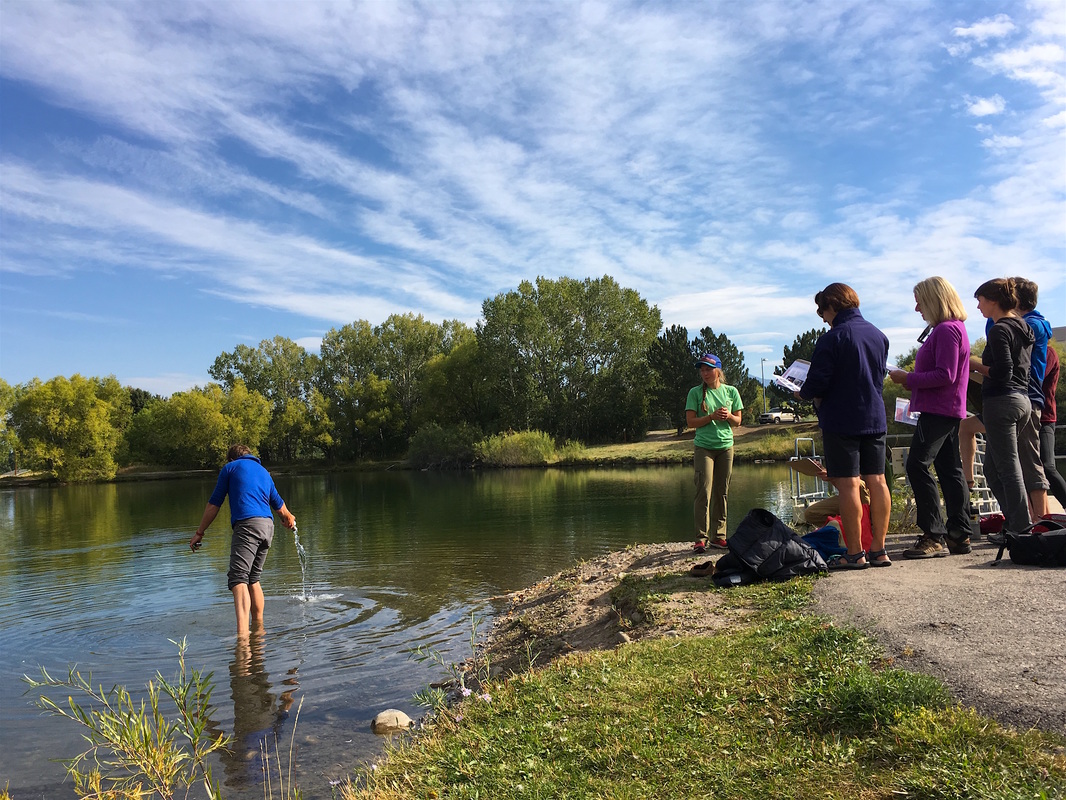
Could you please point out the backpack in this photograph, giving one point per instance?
(765, 548)
(1042, 544)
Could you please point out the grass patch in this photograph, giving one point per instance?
(786, 706)
(778, 446)
(522, 449)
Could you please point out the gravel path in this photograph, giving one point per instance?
(996, 635)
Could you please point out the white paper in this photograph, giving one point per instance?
(794, 377)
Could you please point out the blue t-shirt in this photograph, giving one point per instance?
(250, 488)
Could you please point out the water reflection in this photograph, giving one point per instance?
(259, 713)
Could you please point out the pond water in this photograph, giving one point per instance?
(102, 577)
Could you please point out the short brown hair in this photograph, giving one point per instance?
(1000, 291)
(1027, 291)
(236, 451)
(836, 296)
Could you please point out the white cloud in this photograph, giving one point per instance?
(985, 106)
(989, 28)
(1002, 142)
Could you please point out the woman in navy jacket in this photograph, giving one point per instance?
(846, 381)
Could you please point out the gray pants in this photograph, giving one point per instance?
(248, 550)
(1006, 418)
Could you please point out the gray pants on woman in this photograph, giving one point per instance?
(1005, 418)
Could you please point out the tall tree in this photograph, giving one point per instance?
(407, 343)
(8, 439)
(570, 357)
(672, 358)
(194, 429)
(281, 371)
(362, 406)
(456, 386)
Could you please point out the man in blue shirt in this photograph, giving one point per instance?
(252, 500)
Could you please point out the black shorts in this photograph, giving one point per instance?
(248, 550)
(852, 456)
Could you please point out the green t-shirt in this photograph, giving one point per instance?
(718, 434)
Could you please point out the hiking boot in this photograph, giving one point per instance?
(958, 545)
(926, 547)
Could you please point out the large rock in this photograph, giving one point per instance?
(391, 721)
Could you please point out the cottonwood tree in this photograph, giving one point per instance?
(194, 429)
(281, 371)
(570, 357)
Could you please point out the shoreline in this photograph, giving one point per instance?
(658, 448)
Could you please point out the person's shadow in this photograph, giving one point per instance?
(258, 715)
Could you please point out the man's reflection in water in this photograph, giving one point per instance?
(258, 715)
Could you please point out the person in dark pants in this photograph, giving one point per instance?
(1057, 485)
(252, 500)
(938, 391)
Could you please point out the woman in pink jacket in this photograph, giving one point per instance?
(938, 391)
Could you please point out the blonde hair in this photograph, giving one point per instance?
(939, 301)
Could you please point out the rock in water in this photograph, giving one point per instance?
(391, 721)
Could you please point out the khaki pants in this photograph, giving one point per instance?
(713, 468)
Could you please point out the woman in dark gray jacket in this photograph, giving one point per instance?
(1005, 396)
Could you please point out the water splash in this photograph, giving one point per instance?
(303, 565)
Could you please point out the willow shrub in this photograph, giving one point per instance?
(443, 447)
(524, 449)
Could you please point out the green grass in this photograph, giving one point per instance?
(786, 706)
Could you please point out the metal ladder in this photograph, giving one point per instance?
(805, 489)
(981, 498)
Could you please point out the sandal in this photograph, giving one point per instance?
(873, 555)
(848, 562)
(702, 570)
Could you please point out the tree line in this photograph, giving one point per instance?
(581, 360)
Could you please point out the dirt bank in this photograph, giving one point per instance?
(995, 635)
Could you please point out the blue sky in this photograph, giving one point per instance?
(180, 178)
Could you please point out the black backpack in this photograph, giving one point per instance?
(1042, 544)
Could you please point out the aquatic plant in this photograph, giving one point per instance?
(134, 749)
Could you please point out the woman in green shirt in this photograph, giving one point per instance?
(713, 409)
